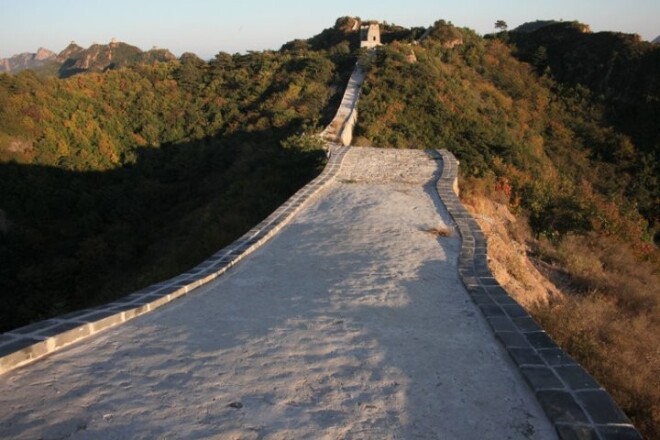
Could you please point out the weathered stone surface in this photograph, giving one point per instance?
(556, 356)
(525, 356)
(560, 406)
(540, 340)
(501, 324)
(601, 407)
(512, 340)
(541, 378)
(576, 377)
(576, 432)
(619, 433)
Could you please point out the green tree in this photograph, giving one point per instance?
(501, 25)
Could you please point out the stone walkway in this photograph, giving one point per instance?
(350, 324)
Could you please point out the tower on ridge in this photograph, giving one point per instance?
(370, 34)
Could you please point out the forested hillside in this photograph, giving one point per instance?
(548, 152)
(621, 74)
(112, 181)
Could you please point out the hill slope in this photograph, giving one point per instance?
(621, 72)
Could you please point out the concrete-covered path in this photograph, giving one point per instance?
(350, 324)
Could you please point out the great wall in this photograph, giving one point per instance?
(340, 315)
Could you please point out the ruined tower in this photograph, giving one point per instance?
(370, 34)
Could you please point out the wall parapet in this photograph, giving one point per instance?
(573, 400)
(340, 129)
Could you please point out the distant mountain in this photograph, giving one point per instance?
(74, 59)
(26, 60)
(100, 57)
(657, 40)
(533, 26)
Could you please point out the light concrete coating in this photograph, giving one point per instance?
(351, 323)
(340, 129)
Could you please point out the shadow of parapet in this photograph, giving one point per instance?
(340, 129)
(573, 400)
(26, 344)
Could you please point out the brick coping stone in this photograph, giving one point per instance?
(572, 399)
(26, 344)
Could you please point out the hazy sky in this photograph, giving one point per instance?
(209, 26)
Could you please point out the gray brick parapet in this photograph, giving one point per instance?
(26, 344)
(573, 400)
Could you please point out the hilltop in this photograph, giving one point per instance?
(75, 59)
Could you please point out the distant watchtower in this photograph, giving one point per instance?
(370, 35)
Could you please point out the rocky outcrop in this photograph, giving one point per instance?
(76, 59)
(70, 51)
(101, 57)
(450, 44)
(26, 61)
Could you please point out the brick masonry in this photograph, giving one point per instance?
(26, 344)
(573, 400)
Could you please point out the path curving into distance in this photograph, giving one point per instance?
(350, 323)
(340, 129)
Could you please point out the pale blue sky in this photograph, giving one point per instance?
(207, 27)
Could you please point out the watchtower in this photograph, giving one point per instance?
(370, 34)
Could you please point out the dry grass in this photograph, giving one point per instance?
(607, 310)
(609, 321)
(619, 350)
(508, 252)
(361, 141)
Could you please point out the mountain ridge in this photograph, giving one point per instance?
(75, 59)
(26, 60)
